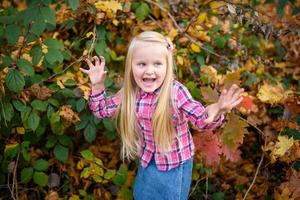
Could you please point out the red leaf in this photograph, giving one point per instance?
(247, 104)
(232, 155)
(209, 144)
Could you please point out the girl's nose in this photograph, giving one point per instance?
(149, 70)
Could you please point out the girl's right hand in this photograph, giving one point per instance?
(96, 72)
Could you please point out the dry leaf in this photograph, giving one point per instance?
(234, 131)
(270, 94)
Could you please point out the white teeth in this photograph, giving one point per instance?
(148, 79)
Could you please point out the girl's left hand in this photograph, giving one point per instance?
(227, 101)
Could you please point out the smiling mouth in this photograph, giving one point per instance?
(149, 80)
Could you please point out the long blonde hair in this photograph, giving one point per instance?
(164, 131)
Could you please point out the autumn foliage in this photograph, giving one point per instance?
(52, 147)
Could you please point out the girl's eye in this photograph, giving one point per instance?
(141, 64)
(157, 64)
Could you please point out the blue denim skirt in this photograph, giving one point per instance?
(152, 184)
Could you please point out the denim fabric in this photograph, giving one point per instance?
(152, 184)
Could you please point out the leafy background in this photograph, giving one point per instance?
(51, 145)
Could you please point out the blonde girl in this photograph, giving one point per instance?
(152, 111)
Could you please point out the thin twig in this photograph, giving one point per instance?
(255, 176)
(93, 41)
(260, 131)
(206, 187)
(15, 180)
(195, 186)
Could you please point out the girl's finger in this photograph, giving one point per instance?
(237, 94)
(97, 61)
(90, 64)
(86, 71)
(102, 61)
(237, 102)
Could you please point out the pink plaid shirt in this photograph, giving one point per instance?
(186, 109)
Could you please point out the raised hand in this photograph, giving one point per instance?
(227, 101)
(96, 73)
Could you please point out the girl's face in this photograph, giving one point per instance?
(149, 65)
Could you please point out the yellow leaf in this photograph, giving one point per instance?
(195, 48)
(89, 34)
(20, 130)
(215, 5)
(211, 73)
(44, 49)
(80, 165)
(114, 6)
(172, 34)
(270, 94)
(62, 79)
(74, 197)
(179, 60)
(10, 146)
(282, 145)
(201, 18)
(115, 22)
(85, 90)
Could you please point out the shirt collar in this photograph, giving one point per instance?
(143, 93)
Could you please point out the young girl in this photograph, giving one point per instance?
(152, 111)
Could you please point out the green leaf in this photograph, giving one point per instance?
(54, 118)
(12, 33)
(25, 150)
(36, 54)
(8, 111)
(100, 46)
(65, 140)
(70, 83)
(74, 4)
(18, 105)
(142, 11)
(39, 105)
(90, 133)
(87, 154)
(218, 196)
(121, 176)
(51, 142)
(53, 55)
(53, 43)
(25, 66)
(33, 120)
(25, 113)
(26, 174)
(40, 178)
(14, 81)
(41, 165)
(200, 60)
(296, 11)
(109, 124)
(109, 174)
(61, 153)
(38, 28)
(48, 15)
(280, 7)
(80, 104)
(221, 41)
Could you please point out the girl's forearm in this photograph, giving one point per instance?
(97, 88)
(213, 111)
